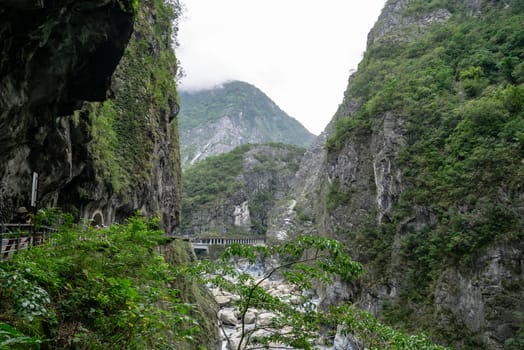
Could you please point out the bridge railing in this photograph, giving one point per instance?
(228, 241)
(16, 237)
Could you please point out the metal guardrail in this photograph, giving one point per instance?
(229, 241)
(16, 237)
(205, 243)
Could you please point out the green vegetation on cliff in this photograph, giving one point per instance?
(252, 173)
(109, 289)
(213, 179)
(127, 127)
(459, 89)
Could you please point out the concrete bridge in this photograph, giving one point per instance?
(205, 243)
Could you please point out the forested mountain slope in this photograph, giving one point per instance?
(421, 172)
(216, 120)
(234, 192)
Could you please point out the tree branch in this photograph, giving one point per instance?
(254, 287)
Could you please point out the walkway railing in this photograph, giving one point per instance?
(16, 237)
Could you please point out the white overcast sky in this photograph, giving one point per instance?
(298, 52)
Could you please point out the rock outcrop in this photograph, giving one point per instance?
(54, 56)
(131, 163)
(397, 24)
(399, 179)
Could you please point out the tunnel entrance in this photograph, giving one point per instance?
(98, 220)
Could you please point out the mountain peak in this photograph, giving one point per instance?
(218, 119)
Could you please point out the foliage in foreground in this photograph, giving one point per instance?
(90, 289)
(305, 264)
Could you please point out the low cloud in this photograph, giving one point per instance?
(299, 53)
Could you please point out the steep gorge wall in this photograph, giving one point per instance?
(420, 172)
(234, 192)
(111, 157)
(132, 160)
(53, 58)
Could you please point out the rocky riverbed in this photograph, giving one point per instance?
(258, 322)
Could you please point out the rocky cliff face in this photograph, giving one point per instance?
(104, 160)
(131, 161)
(406, 176)
(248, 182)
(217, 120)
(54, 56)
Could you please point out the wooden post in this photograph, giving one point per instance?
(33, 235)
(17, 239)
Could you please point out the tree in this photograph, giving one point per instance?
(297, 322)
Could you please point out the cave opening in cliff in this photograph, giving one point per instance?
(98, 220)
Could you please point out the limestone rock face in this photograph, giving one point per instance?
(395, 25)
(346, 342)
(485, 295)
(241, 215)
(104, 160)
(356, 187)
(53, 58)
(132, 160)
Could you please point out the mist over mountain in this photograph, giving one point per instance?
(216, 120)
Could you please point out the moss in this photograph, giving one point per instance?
(336, 196)
(104, 145)
(127, 128)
